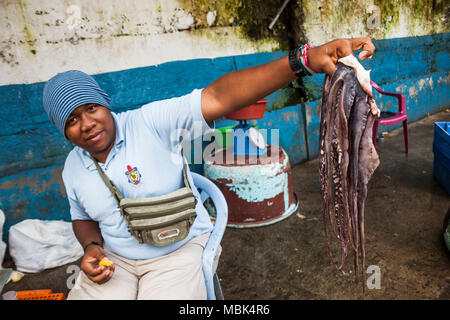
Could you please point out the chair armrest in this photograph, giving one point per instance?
(400, 97)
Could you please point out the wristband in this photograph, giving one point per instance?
(92, 242)
(303, 60)
(299, 63)
(294, 63)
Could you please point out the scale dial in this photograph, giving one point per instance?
(256, 138)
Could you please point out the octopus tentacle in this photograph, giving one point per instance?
(324, 165)
(369, 162)
(344, 159)
(330, 174)
(347, 160)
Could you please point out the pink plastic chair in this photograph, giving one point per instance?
(389, 118)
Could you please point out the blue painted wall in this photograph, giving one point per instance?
(33, 151)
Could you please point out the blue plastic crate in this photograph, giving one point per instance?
(441, 150)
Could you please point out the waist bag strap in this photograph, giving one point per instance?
(116, 192)
(111, 186)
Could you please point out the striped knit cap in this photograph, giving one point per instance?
(67, 91)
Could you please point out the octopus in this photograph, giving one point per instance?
(347, 158)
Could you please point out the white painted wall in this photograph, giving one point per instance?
(326, 20)
(40, 38)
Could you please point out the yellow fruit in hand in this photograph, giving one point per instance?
(106, 263)
(16, 276)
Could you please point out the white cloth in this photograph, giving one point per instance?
(36, 244)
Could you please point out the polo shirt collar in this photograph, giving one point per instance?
(118, 142)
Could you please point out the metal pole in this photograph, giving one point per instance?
(278, 14)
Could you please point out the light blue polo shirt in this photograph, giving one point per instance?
(147, 144)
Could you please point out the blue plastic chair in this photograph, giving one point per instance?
(210, 190)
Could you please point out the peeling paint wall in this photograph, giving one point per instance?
(40, 38)
(379, 19)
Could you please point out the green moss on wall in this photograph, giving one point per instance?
(378, 19)
(29, 39)
(418, 16)
(226, 10)
(252, 16)
(390, 13)
(289, 96)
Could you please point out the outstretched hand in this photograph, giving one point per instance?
(367, 48)
(323, 59)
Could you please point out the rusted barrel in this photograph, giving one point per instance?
(258, 189)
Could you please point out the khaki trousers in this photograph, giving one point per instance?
(177, 275)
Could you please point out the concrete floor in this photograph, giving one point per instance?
(405, 209)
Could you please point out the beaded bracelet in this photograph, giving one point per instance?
(299, 64)
(304, 60)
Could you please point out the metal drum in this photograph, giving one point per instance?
(258, 189)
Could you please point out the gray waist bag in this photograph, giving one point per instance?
(160, 220)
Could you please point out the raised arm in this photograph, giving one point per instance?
(241, 88)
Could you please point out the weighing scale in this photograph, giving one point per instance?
(254, 177)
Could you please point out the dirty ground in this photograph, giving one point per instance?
(405, 210)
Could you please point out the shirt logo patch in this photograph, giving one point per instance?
(133, 175)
